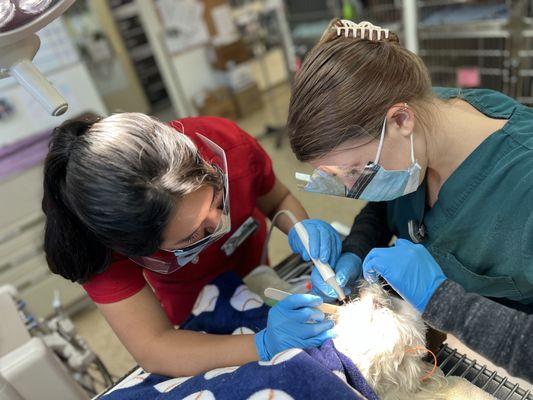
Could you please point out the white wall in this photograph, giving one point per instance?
(196, 74)
(194, 71)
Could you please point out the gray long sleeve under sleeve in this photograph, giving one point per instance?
(501, 334)
(369, 230)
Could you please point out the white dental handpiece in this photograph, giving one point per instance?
(324, 269)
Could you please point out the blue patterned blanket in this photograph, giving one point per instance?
(226, 306)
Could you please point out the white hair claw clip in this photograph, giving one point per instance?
(359, 30)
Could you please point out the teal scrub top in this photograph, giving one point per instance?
(480, 230)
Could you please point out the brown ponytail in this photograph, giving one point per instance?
(346, 86)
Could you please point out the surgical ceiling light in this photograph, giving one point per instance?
(19, 20)
(33, 6)
(7, 12)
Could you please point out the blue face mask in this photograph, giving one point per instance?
(373, 183)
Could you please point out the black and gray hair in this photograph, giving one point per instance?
(112, 184)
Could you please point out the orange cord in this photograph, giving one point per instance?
(428, 375)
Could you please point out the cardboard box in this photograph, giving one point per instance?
(217, 103)
(218, 18)
(224, 56)
(248, 100)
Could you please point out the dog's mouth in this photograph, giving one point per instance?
(378, 302)
(374, 294)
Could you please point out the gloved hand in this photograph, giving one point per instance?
(293, 322)
(324, 241)
(347, 270)
(409, 268)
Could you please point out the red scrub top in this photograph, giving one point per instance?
(250, 176)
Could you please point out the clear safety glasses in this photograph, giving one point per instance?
(167, 261)
(344, 181)
(371, 183)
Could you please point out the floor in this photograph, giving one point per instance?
(101, 338)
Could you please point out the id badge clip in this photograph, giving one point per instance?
(239, 236)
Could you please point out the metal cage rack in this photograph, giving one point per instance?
(444, 54)
(453, 363)
(524, 91)
(495, 37)
(385, 12)
(480, 40)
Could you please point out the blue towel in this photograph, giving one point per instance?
(226, 306)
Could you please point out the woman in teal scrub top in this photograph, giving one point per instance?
(450, 169)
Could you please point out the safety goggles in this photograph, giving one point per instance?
(344, 181)
(168, 261)
(371, 183)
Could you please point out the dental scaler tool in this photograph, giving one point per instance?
(278, 295)
(324, 269)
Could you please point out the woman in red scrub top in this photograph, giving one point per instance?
(140, 213)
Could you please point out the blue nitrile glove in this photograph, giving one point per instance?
(293, 322)
(409, 268)
(324, 241)
(347, 270)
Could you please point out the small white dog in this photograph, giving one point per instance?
(385, 338)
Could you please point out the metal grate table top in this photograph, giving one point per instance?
(454, 363)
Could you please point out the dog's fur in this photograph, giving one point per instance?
(385, 338)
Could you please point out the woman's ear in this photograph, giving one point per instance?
(401, 119)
